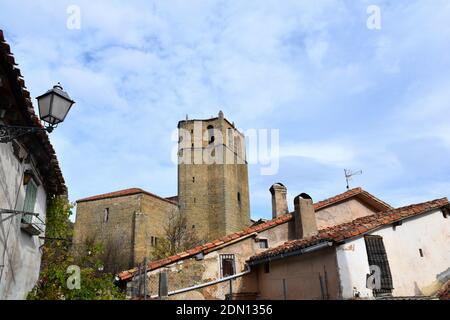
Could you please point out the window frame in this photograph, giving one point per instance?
(29, 208)
(222, 259)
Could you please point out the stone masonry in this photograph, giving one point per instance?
(133, 219)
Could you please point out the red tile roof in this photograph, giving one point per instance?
(122, 193)
(228, 239)
(126, 275)
(356, 192)
(352, 229)
(48, 166)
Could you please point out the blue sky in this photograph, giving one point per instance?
(342, 96)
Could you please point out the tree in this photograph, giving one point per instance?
(58, 256)
(177, 237)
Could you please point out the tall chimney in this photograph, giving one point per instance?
(304, 216)
(279, 202)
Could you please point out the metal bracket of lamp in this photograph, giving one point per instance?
(54, 105)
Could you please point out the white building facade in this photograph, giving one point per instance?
(29, 176)
(417, 252)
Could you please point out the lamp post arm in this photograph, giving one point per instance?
(9, 133)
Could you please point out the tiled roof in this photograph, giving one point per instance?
(122, 193)
(126, 275)
(356, 192)
(53, 178)
(352, 229)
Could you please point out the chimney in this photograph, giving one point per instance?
(304, 216)
(279, 202)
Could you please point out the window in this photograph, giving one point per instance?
(421, 252)
(193, 179)
(211, 137)
(153, 241)
(106, 215)
(239, 198)
(30, 201)
(227, 267)
(230, 138)
(376, 254)
(266, 267)
(263, 243)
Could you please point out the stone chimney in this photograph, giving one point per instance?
(279, 201)
(304, 216)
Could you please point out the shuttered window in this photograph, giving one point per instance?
(227, 265)
(30, 201)
(377, 256)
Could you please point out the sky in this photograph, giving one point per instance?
(341, 94)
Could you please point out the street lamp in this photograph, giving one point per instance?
(53, 108)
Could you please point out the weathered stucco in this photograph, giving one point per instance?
(20, 254)
(342, 212)
(311, 276)
(412, 274)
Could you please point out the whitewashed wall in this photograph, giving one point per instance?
(20, 253)
(412, 274)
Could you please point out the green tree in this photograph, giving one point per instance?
(58, 256)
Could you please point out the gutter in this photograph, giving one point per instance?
(298, 252)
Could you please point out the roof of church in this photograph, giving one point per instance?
(123, 193)
(231, 238)
(351, 229)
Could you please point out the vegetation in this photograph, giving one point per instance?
(177, 237)
(95, 284)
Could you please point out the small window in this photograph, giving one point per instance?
(153, 241)
(421, 252)
(30, 201)
(211, 137)
(193, 179)
(239, 197)
(263, 244)
(227, 265)
(106, 215)
(266, 267)
(230, 138)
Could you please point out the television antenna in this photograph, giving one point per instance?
(349, 174)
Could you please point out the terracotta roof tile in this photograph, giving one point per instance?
(51, 171)
(355, 228)
(122, 193)
(261, 227)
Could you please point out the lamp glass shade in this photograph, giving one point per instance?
(54, 105)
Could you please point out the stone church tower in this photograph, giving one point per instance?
(213, 188)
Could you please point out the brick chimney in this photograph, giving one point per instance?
(279, 202)
(304, 216)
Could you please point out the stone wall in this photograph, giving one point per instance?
(132, 221)
(214, 197)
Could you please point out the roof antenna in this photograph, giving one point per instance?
(349, 174)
